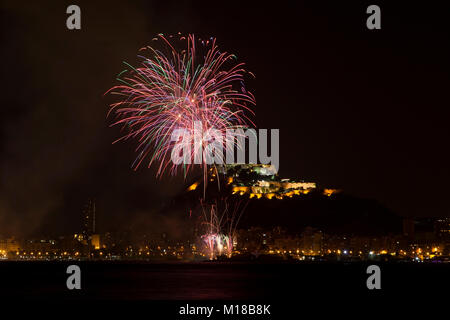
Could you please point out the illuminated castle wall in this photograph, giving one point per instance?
(261, 181)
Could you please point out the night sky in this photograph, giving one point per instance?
(366, 111)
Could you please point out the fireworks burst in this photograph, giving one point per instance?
(221, 220)
(180, 89)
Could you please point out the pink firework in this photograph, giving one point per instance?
(220, 221)
(181, 89)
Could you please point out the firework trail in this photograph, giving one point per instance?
(196, 85)
(221, 220)
(212, 221)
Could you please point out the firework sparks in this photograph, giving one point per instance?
(221, 220)
(197, 85)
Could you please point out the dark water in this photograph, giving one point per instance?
(214, 281)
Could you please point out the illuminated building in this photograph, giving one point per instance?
(8, 245)
(95, 241)
(193, 186)
(262, 181)
(329, 192)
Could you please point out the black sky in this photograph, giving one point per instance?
(363, 110)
